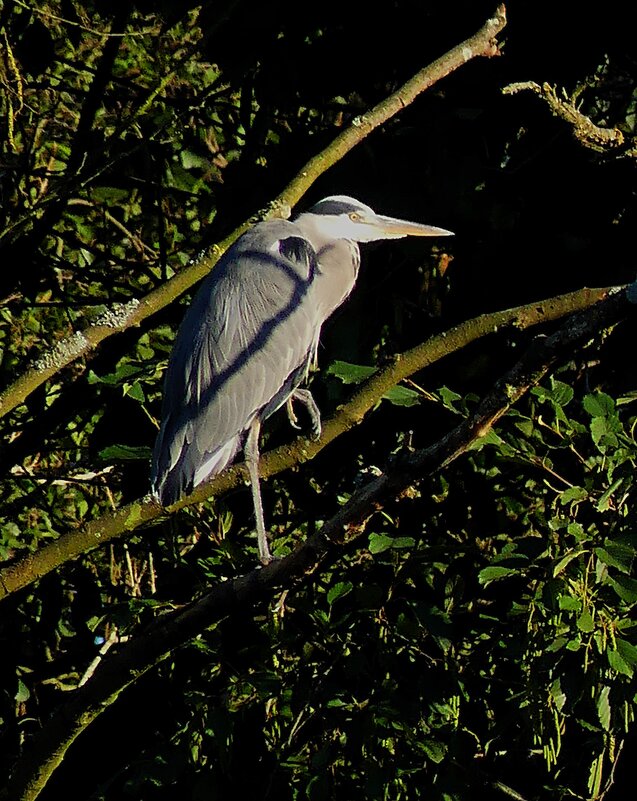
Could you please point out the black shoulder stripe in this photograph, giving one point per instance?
(298, 250)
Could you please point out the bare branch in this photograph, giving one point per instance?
(81, 343)
(174, 629)
(32, 567)
(584, 129)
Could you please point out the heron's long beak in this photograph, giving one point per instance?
(394, 228)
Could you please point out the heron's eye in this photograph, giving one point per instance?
(355, 216)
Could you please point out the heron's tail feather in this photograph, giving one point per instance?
(170, 482)
(217, 461)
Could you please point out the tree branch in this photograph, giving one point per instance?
(174, 629)
(584, 129)
(125, 316)
(71, 544)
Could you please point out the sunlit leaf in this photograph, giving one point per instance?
(573, 495)
(379, 543)
(558, 694)
(627, 651)
(495, 573)
(585, 622)
(565, 561)
(350, 373)
(603, 708)
(403, 396)
(618, 663)
(135, 391)
(599, 404)
(616, 555)
(570, 604)
(435, 750)
(339, 591)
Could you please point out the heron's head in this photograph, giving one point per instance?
(343, 217)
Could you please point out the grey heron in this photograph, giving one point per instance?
(250, 336)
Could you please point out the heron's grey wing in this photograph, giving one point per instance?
(241, 349)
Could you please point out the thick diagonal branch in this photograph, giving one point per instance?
(71, 544)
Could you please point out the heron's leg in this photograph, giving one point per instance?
(251, 451)
(304, 396)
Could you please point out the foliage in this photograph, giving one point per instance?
(469, 647)
(483, 640)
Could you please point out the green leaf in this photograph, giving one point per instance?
(110, 194)
(350, 373)
(562, 393)
(602, 433)
(618, 663)
(617, 555)
(179, 178)
(573, 495)
(625, 587)
(135, 391)
(403, 542)
(123, 372)
(490, 438)
(449, 398)
(559, 393)
(569, 604)
(435, 750)
(22, 694)
(595, 776)
(338, 591)
(379, 543)
(558, 695)
(604, 502)
(403, 396)
(336, 703)
(494, 573)
(557, 644)
(603, 708)
(585, 622)
(576, 530)
(565, 561)
(599, 405)
(190, 160)
(526, 426)
(122, 453)
(627, 651)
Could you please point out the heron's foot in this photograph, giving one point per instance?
(304, 396)
(289, 407)
(267, 559)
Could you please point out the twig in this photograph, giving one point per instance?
(108, 643)
(72, 23)
(584, 129)
(120, 318)
(71, 544)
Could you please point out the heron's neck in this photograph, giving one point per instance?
(338, 263)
